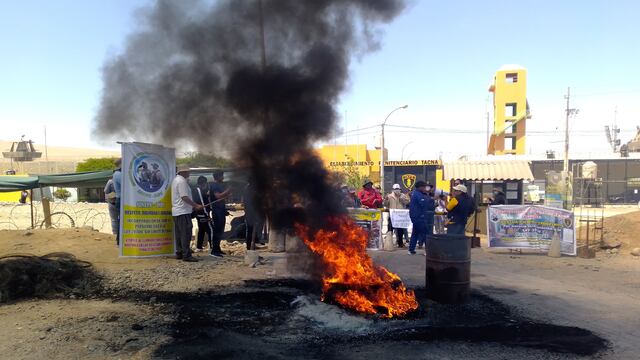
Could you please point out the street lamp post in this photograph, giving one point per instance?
(404, 147)
(382, 147)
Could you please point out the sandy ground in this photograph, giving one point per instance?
(601, 295)
(72, 328)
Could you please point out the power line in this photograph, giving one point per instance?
(607, 93)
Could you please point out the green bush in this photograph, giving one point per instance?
(96, 164)
(196, 159)
(62, 194)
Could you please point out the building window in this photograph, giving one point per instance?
(510, 127)
(510, 109)
(509, 143)
(512, 78)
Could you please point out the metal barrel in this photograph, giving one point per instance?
(448, 268)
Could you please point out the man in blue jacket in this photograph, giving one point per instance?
(421, 212)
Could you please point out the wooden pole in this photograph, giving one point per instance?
(31, 205)
(46, 209)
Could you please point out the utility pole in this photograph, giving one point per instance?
(566, 133)
(46, 151)
(568, 113)
(616, 131)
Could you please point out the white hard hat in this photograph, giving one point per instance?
(396, 187)
(460, 187)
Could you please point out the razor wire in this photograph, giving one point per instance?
(63, 215)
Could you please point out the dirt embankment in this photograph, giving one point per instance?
(624, 228)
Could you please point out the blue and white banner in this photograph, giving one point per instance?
(146, 225)
(530, 227)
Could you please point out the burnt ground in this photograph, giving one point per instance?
(282, 319)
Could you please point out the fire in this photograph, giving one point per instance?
(350, 277)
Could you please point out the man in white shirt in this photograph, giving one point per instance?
(181, 207)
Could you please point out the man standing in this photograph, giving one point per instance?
(370, 197)
(441, 213)
(110, 197)
(396, 200)
(430, 217)
(218, 193)
(498, 197)
(181, 207)
(254, 222)
(117, 187)
(421, 207)
(459, 209)
(201, 196)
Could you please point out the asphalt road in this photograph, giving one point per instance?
(601, 295)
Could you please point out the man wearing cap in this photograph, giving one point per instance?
(370, 197)
(498, 197)
(396, 200)
(421, 211)
(181, 208)
(459, 208)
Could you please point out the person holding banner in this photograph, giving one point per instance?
(396, 200)
(181, 208)
(421, 212)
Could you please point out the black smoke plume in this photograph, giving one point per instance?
(192, 74)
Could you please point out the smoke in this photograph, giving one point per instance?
(193, 74)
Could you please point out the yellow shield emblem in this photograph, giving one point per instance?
(408, 180)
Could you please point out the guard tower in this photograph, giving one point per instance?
(510, 111)
(22, 150)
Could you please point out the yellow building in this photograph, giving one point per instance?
(510, 111)
(367, 161)
(405, 172)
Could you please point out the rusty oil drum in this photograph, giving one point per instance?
(448, 268)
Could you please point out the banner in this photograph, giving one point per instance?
(530, 227)
(146, 225)
(559, 190)
(371, 221)
(400, 218)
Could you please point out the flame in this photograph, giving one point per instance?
(350, 277)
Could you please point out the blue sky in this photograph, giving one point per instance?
(438, 57)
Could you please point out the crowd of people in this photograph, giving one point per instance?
(206, 203)
(430, 210)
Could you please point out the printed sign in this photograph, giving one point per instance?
(412, 162)
(530, 227)
(146, 225)
(371, 221)
(400, 218)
